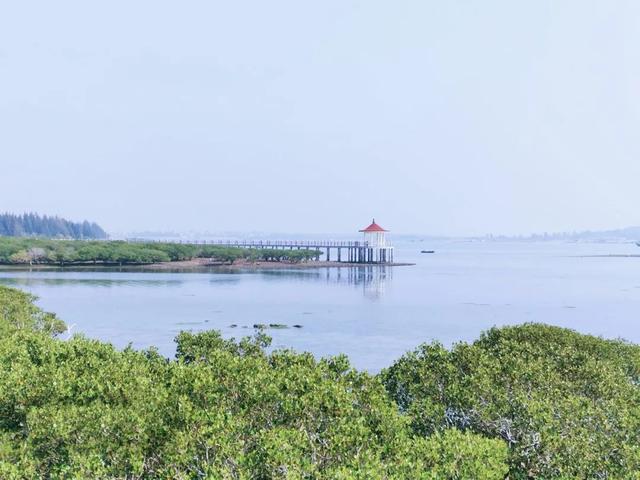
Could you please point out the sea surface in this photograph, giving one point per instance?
(372, 314)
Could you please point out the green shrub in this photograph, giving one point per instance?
(18, 312)
(222, 409)
(567, 404)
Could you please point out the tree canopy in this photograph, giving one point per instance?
(523, 402)
(34, 251)
(34, 225)
(223, 409)
(566, 404)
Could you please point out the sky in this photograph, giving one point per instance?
(447, 118)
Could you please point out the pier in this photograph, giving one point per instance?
(373, 249)
(334, 251)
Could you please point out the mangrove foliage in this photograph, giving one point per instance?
(32, 251)
(81, 409)
(524, 402)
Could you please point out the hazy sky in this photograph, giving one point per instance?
(447, 117)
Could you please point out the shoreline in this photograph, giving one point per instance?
(610, 255)
(200, 263)
(203, 264)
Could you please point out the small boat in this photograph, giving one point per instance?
(427, 251)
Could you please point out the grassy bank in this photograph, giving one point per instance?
(31, 251)
(532, 401)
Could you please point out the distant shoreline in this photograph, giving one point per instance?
(610, 255)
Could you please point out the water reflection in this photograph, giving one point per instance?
(372, 279)
(89, 282)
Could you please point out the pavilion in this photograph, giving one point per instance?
(375, 249)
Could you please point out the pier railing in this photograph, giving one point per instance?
(267, 243)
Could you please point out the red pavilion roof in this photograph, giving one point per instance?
(374, 227)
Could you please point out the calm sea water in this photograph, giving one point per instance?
(373, 314)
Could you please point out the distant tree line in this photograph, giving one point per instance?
(34, 225)
(34, 251)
